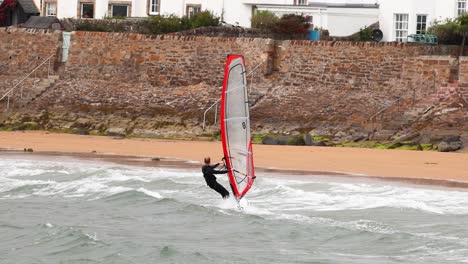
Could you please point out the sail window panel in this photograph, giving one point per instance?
(235, 93)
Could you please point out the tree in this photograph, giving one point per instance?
(462, 29)
(292, 24)
(264, 19)
(452, 31)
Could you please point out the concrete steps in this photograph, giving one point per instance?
(422, 109)
(38, 89)
(256, 95)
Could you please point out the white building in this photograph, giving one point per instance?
(340, 17)
(400, 18)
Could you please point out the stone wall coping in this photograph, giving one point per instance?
(143, 37)
(355, 44)
(29, 30)
(436, 57)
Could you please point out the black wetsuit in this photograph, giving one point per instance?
(208, 174)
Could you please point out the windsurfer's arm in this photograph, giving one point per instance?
(220, 171)
(214, 166)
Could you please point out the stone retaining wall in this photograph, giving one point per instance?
(21, 50)
(173, 79)
(163, 61)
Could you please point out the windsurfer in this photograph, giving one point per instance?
(209, 172)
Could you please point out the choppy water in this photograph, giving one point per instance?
(75, 211)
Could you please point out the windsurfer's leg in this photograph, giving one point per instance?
(221, 190)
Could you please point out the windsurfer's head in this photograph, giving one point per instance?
(207, 160)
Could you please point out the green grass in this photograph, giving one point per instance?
(408, 145)
(320, 138)
(30, 126)
(258, 138)
(428, 147)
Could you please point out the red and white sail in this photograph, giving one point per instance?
(235, 126)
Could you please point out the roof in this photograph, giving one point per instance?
(42, 22)
(28, 6)
(346, 5)
(322, 5)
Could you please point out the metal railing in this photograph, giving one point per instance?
(381, 111)
(216, 113)
(9, 93)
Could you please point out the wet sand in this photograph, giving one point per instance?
(450, 169)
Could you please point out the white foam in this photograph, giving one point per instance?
(150, 193)
(269, 194)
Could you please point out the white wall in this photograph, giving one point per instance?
(346, 21)
(267, 2)
(237, 13)
(67, 9)
(445, 9)
(169, 7)
(101, 8)
(139, 8)
(38, 4)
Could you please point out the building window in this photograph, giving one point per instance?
(154, 7)
(300, 2)
(461, 7)
(193, 9)
(421, 24)
(119, 10)
(87, 10)
(51, 9)
(401, 27)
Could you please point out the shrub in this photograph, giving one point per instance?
(204, 19)
(105, 25)
(365, 34)
(453, 31)
(446, 32)
(292, 24)
(163, 24)
(264, 20)
(173, 23)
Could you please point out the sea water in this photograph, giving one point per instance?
(66, 210)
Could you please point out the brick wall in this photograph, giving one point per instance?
(463, 71)
(160, 60)
(348, 82)
(23, 49)
(360, 65)
(178, 77)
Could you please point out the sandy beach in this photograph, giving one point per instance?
(445, 167)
